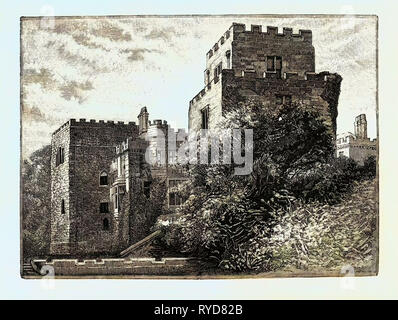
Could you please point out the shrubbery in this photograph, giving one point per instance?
(36, 184)
(232, 221)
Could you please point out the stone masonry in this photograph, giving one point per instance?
(267, 66)
(94, 216)
(101, 185)
(357, 146)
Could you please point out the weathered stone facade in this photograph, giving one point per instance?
(89, 149)
(356, 146)
(102, 185)
(266, 66)
(104, 191)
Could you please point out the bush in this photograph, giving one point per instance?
(322, 237)
(36, 203)
(245, 223)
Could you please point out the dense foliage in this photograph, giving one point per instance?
(36, 185)
(231, 220)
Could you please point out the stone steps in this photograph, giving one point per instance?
(28, 269)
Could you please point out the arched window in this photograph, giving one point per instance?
(103, 179)
(105, 224)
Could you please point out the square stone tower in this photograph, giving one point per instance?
(82, 152)
(265, 65)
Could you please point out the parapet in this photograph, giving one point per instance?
(82, 122)
(287, 33)
(219, 43)
(158, 123)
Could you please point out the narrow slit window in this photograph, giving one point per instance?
(228, 56)
(116, 200)
(217, 72)
(62, 206)
(59, 156)
(205, 117)
(172, 198)
(105, 224)
(147, 189)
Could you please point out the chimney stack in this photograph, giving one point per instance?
(143, 121)
(361, 127)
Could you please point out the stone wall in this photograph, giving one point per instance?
(248, 75)
(318, 92)
(90, 151)
(211, 96)
(122, 267)
(251, 48)
(60, 223)
(359, 149)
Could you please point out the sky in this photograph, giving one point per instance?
(107, 68)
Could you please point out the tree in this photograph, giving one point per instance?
(229, 219)
(36, 193)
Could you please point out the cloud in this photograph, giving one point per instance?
(112, 32)
(165, 34)
(33, 114)
(101, 67)
(75, 59)
(85, 41)
(137, 54)
(75, 90)
(43, 77)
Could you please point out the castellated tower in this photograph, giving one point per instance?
(101, 184)
(82, 152)
(361, 127)
(267, 66)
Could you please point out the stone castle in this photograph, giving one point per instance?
(101, 184)
(357, 145)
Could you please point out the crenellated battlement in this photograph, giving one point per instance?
(257, 30)
(93, 123)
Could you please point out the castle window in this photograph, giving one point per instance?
(105, 224)
(103, 179)
(205, 117)
(172, 198)
(175, 198)
(104, 207)
(147, 189)
(62, 206)
(217, 72)
(207, 76)
(60, 156)
(274, 64)
(283, 99)
(228, 55)
(117, 200)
